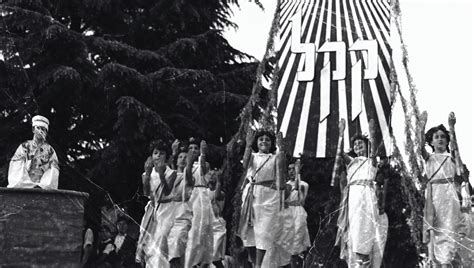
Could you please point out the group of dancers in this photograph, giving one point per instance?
(363, 223)
(183, 225)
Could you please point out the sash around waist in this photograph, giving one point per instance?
(362, 183)
(442, 181)
(293, 203)
(269, 184)
(179, 199)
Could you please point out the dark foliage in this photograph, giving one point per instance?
(113, 75)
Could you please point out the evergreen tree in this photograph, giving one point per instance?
(113, 75)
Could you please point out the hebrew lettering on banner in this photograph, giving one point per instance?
(334, 60)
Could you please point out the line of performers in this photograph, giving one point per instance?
(183, 224)
(362, 222)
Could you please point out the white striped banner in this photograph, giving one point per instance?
(334, 60)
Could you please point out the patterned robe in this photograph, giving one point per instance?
(34, 165)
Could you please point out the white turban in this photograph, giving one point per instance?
(40, 121)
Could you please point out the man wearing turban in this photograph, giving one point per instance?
(35, 164)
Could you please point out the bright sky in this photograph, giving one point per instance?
(439, 35)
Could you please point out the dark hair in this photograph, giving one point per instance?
(267, 133)
(193, 140)
(160, 145)
(432, 131)
(182, 149)
(290, 159)
(358, 136)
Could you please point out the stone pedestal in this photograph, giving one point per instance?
(41, 228)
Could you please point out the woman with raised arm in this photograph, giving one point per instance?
(365, 225)
(178, 234)
(158, 180)
(261, 193)
(442, 213)
(292, 232)
(295, 201)
(200, 238)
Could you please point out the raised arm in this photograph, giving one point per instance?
(339, 154)
(423, 119)
(282, 167)
(248, 148)
(204, 165)
(146, 176)
(342, 126)
(454, 146)
(247, 158)
(298, 178)
(174, 154)
(373, 149)
(160, 167)
(188, 170)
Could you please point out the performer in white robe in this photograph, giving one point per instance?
(280, 254)
(35, 164)
(178, 235)
(261, 194)
(443, 218)
(199, 247)
(158, 180)
(295, 202)
(366, 225)
(292, 231)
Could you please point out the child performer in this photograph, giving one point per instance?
(261, 193)
(442, 213)
(367, 226)
(295, 201)
(158, 179)
(199, 247)
(178, 235)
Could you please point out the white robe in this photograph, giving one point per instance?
(155, 222)
(446, 207)
(33, 166)
(301, 239)
(265, 202)
(200, 244)
(367, 228)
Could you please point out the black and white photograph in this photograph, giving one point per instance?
(236, 133)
